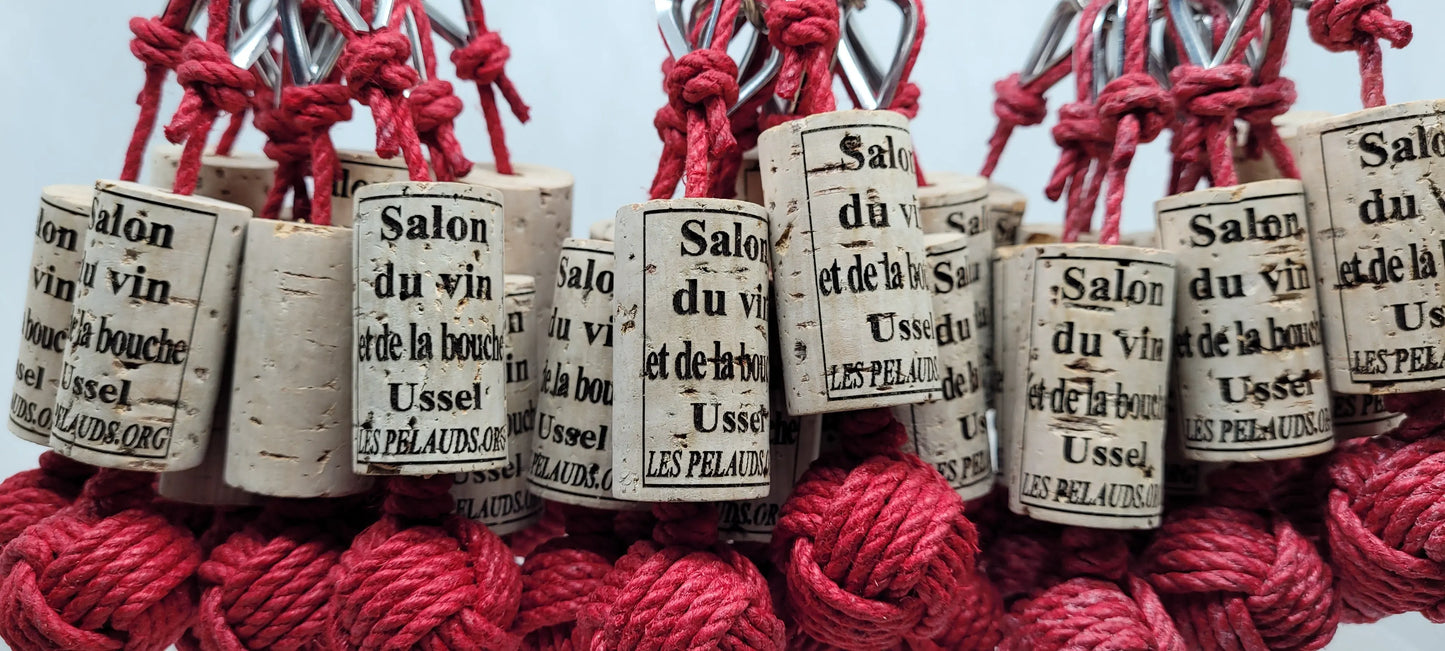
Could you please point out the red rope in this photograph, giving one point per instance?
(1360, 25)
(30, 496)
(374, 65)
(213, 84)
(299, 140)
(108, 572)
(434, 107)
(158, 43)
(484, 61)
(1211, 99)
(806, 33)
(694, 126)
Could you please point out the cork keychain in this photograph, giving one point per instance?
(691, 356)
(1249, 351)
(1090, 381)
(428, 361)
(144, 363)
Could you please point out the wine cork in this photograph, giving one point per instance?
(290, 426)
(429, 372)
(1362, 415)
(750, 179)
(572, 448)
(1010, 317)
(602, 229)
(536, 218)
(951, 433)
(956, 203)
(1264, 168)
(793, 443)
(1095, 348)
(499, 498)
(1249, 359)
(358, 169)
(1005, 211)
(855, 311)
(1141, 239)
(691, 360)
(241, 178)
(150, 329)
(55, 261)
(205, 484)
(1378, 232)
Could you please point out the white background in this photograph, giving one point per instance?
(589, 68)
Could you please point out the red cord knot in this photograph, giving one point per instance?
(1139, 95)
(30, 496)
(433, 108)
(212, 84)
(418, 498)
(90, 578)
(1083, 138)
(1209, 100)
(483, 60)
(803, 30)
(876, 555)
(379, 60)
(1343, 25)
(156, 43)
(1237, 578)
(1385, 525)
(704, 79)
(1086, 614)
(1018, 104)
(560, 577)
(315, 109)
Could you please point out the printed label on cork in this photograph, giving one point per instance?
(499, 498)
(951, 433)
(692, 361)
(147, 338)
(1248, 343)
(430, 364)
(855, 307)
(572, 449)
(1090, 449)
(50, 293)
(1378, 223)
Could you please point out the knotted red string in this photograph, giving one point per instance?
(1210, 99)
(299, 140)
(424, 577)
(681, 590)
(433, 108)
(213, 84)
(29, 496)
(1273, 96)
(905, 97)
(268, 585)
(806, 33)
(1360, 25)
(694, 126)
(874, 553)
(375, 67)
(1099, 136)
(1235, 575)
(483, 60)
(158, 42)
(1385, 516)
(561, 576)
(107, 572)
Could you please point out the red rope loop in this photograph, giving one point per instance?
(433, 108)
(1386, 527)
(158, 41)
(1232, 576)
(559, 578)
(1211, 99)
(1017, 104)
(483, 60)
(1360, 25)
(212, 84)
(1134, 110)
(1083, 139)
(30, 496)
(806, 33)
